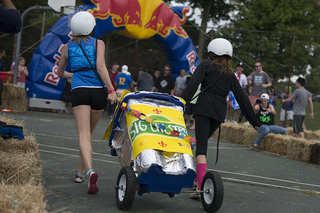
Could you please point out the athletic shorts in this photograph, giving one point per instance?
(297, 123)
(94, 97)
(289, 115)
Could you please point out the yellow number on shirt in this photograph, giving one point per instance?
(122, 81)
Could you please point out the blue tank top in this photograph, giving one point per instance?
(289, 104)
(79, 61)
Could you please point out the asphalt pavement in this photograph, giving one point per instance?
(253, 181)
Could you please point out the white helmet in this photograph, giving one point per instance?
(82, 23)
(220, 46)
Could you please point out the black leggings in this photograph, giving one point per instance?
(205, 127)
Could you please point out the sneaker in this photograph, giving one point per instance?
(92, 180)
(226, 120)
(195, 195)
(256, 146)
(246, 123)
(234, 122)
(195, 186)
(78, 178)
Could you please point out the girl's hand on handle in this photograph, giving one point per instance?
(112, 97)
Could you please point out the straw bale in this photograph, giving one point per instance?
(300, 149)
(19, 169)
(27, 145)
(10, 121)
(26, 199)
(290, 131)
(13, 91)
(312, 135)
(275, 143)
(18, 105)
(315, 154)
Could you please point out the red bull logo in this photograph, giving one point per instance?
(142, 18)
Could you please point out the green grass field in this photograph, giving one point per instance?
(311, 124)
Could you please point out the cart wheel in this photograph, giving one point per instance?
(126, 188)
(212, 197)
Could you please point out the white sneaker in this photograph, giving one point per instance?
(226, 120)
(246, 123)
(234, 122)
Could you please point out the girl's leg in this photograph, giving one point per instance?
(82, 117)
(205, 127)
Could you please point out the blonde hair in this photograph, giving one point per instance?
(81, 38)
(21, 58)
(225, 63)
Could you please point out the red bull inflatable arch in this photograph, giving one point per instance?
(138, 19)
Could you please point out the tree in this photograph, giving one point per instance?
(211, 10)
(283, 18)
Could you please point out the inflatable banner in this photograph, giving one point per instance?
(138, 19)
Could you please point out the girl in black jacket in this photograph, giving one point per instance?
(217, 79)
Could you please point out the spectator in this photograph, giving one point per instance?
(265, 113)
(156, 75)
(125, 70)
(22, 72)
(180, 83)
(260, 80)
(165, 82)
(112, 74)
(300, 97)
(88, 93)
(135, 79)
(2, 63)
(123, 82)
(289, 108)
(243, 83)
(10, 19)
(145, 81)
(273, 98)
(217, 79)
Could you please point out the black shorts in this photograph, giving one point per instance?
(94, 97)
(297, 123)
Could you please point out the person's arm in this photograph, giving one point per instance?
(26, 71)
(115, 85)
(62, 73)
(193, 83)
(10, 19)
(311, 108)
(266, 85)
(153, 88)
(132, 87)
(249, 79)
(276, 100)
(271, 109)
(244, 103)
(174, 88)
(287, 100)
(7, 4)
(103, 72)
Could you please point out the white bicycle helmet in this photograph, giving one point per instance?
(82, 23)
(220, 47)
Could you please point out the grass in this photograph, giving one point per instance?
(310, 193)
(311, 124)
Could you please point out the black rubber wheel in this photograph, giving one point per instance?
(126, 188)
(212, 197)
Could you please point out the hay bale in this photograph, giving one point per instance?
(27, 199)
(27, 145)
(14, 98)
(312, 135)
(13, 91)
(315, 154)
(20, 169)
(10, 121)
(300, 149)
(275, 143)
(290, 131)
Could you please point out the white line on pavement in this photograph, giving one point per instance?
(59, 153)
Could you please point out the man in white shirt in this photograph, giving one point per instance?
(243, 83)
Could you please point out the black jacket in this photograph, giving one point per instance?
(212, 102)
